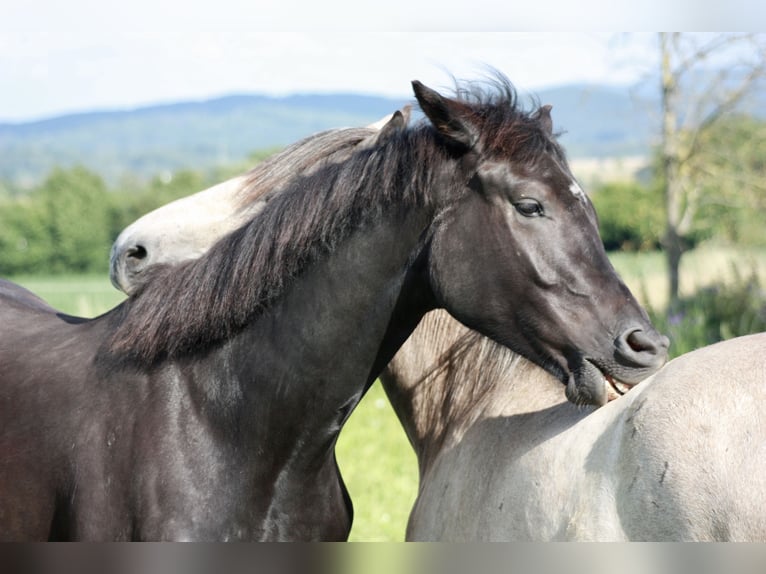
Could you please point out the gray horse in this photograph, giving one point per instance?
(503, 456)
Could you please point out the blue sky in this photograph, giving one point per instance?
(58, 57)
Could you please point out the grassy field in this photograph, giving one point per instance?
(376, 460)
(645, 273)
(85, 296)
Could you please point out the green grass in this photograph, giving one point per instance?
(375, 457)
(81, 295)
(645, 273)
(380, 469)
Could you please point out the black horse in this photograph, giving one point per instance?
(207, 406)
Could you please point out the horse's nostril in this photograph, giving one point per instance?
(642, 342)
(641, 349)
(138, 252)
(639, 342)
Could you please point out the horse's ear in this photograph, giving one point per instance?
(386, 127)
(450, 118)
(544, 115)
(397, 122)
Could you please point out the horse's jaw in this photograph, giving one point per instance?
(591, 385)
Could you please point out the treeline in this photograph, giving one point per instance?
(632, 217)
(725, 199)
(68, 222)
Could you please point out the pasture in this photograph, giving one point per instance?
(377, 463)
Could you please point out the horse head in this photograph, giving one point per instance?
(555, 298)
(186, 228)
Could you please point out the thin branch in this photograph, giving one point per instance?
(725, 105)
(701, 53)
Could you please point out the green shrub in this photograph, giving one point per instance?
(714, 313)
(60, 226)
(631, 216)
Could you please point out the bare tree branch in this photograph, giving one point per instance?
(725, 106)
(685, 130)
(702, 53)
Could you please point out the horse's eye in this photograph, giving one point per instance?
(529, 208)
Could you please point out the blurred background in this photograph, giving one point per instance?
(108, 118)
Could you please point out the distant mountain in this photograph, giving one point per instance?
(597, 121)
(199, 135)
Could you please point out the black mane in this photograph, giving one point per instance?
(278, 170)
(193, 305)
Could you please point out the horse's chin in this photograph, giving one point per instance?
(589, 385)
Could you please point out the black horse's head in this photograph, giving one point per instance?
(531, 271)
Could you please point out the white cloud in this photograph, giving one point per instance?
(128, 70)
(81, 54)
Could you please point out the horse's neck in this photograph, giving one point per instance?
(314, 349)
(446, 378)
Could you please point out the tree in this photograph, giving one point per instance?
(630, 216)
(61, 226)
(24, 240)
(733, 187)
(694, 100)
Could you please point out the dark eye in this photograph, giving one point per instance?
(529, 208)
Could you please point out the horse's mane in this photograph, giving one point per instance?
(508, 130)
(462, 376)
(308, 153)
(195, 304)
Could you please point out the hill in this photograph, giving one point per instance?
(597, 121)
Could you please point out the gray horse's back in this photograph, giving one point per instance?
(693, 461)
(681, 457)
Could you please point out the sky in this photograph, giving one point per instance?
(61, 57)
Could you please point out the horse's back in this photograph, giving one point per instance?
(15, 296)
(693, 457)
(37, 409)
(681, 457)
